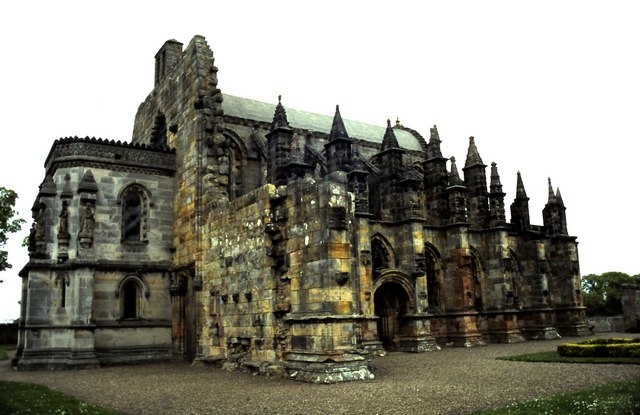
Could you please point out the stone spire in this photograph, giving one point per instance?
(391, 171)
(389, 140)
(520, 192)
(475, 177)
(279, 141)
(338, 130)
(473, 157)
(436, 179)
(552, 195)
(280, 117)
(520, 208)
(495, 186)
(553, 214)
(559, 197)
(339, 149)
(496, 198)
(454, 177)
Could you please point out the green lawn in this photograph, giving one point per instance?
(25, 398)
(613, 398)
(620, 398)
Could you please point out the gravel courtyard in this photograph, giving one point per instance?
(448, 381)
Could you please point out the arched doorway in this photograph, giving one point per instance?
(391, 303)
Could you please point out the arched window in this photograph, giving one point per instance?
(131, 215)
(382, 255)
(135, 206)
(478, 283)
(132, 290)
(433, 263)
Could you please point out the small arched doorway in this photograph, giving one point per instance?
(130, 299)
(391, 303)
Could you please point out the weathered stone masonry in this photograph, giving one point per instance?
(247, 233)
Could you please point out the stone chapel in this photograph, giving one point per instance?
(236, 231)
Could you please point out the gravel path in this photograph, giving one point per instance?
(448, 381)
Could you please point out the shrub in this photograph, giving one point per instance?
(614, 347)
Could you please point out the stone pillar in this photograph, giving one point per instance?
(459, 314)
(369, 340)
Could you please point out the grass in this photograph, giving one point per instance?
(4, 350)
(613, 398)
(24, 398)
(554, 357)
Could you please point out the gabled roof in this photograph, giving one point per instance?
(263, 111)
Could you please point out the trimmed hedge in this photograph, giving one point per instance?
(613, 347)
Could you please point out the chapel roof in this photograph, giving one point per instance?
(263, 111)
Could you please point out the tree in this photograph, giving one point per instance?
(8, 222)
(602, 295)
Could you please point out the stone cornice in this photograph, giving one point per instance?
(110, 154)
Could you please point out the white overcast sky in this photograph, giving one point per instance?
(548, 88)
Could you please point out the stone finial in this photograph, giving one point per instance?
(338, 130)
(389, 140)
(473, 157)
(559, 197)
(433, 148)
(520, 192)
(552, 195)
(495, 186)
(454, 177)
(280, 117)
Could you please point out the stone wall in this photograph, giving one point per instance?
(606, 324)
(239, 286)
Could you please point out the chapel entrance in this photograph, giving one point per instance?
(390, 301)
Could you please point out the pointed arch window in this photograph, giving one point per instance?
(476, 295)
(131, 215)
(433, 265)
(382, 255)
(131, 290)
(135, 207)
